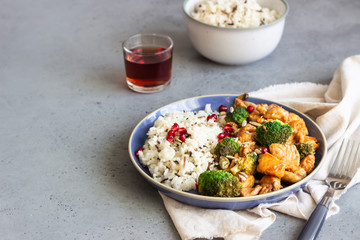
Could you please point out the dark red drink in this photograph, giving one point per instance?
(148, 67)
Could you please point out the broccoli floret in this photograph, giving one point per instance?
(238, 115)
(219, 184)
(246, 164)
(304, 149)
(226, 147)
(273, 132)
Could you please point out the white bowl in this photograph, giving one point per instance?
(236, 46)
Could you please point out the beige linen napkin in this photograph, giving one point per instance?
(336, 109)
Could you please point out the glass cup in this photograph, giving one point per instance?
(148, 61)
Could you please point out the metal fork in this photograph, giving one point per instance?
(343, 169)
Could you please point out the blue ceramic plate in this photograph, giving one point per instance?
(138, 137)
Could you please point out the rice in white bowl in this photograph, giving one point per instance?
(179, 164)
(233, 13)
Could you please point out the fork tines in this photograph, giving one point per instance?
(347, 160)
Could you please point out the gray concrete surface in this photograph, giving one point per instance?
(66, 113)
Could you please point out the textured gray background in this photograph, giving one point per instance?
(66, 113)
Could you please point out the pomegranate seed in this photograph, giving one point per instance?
(227, 133)
(212, 116)
(250, 109)
(170, 138)
(171, 133)
(137, 151)
(228, 127)
(265, 149)
(175, 127)
(223, 108)
(221, 136)
(182, 131)
(182, 137)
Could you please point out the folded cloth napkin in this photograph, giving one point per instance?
(336, 109)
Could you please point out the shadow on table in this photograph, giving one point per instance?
(113, 79)
(126, 185)
(118, 170)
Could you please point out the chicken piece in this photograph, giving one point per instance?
(255, 116)
(276, 112)
(310, 140)
(247, 133)
(300, 172)
(244, 137)
(295, 176)
(262, 108)
(271, 165)
(274, 182)
(245, 148)
(247, 103)
(240, 101)
(265, 189)
(308, 163)
(294, 117)
(248, 182)
(248, 191)
(298, 125)
(288, 154)
(248, 128)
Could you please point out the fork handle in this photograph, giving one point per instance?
(316, 220)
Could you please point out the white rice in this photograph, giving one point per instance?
(233, 13)
(179, 164)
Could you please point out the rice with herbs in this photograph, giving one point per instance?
(178, 164)
(233, 13)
